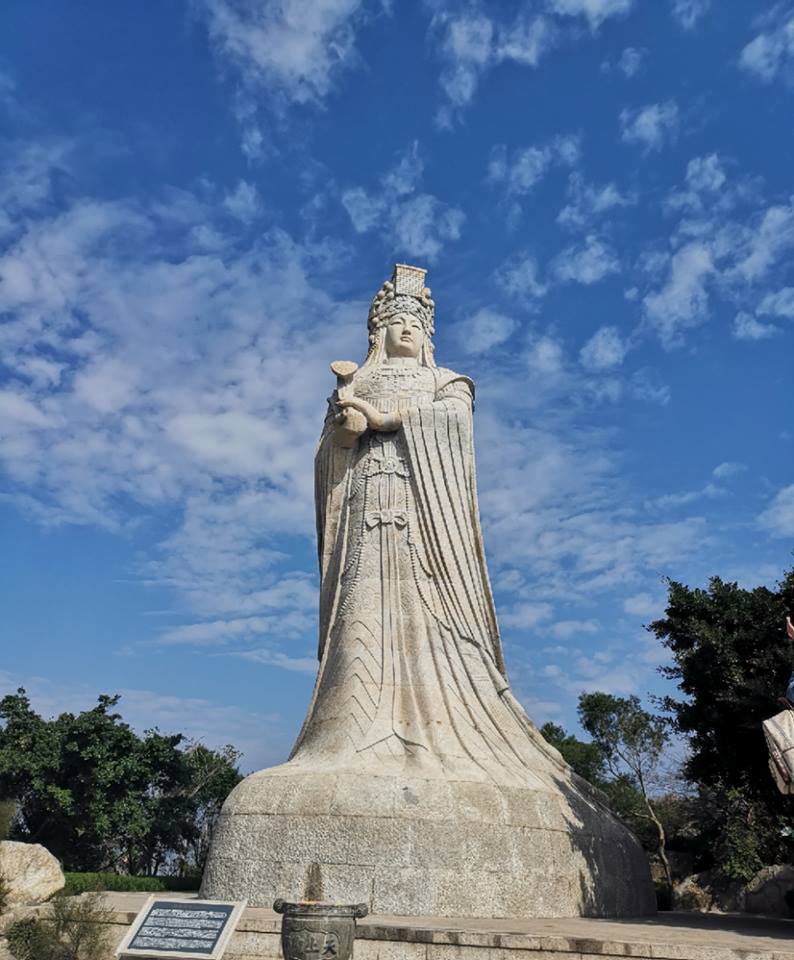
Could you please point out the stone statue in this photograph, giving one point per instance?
(418, 783)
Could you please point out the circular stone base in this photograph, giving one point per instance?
(426, 847)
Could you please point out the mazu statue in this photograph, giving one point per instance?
(418, 784)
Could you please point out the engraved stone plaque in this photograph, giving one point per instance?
(181, 929)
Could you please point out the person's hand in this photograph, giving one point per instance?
(374, 418)
(790, 628)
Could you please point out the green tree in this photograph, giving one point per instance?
(213, 774)
(587, 758)
(631, 741)
(731, 660)
(99, 796)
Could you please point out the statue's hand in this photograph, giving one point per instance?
(375, 419)
(350, 424)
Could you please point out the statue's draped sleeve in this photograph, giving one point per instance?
(440, 445)
(332, 478)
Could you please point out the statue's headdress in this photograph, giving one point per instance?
(404, 293)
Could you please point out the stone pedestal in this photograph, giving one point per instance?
(426, 847)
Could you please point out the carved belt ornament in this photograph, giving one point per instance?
(379, 517)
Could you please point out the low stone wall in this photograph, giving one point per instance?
(673, 936)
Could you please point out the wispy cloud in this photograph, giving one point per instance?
(688, 12)
(520, 278)
(770, 54)
(594, 11)
(586, 263)
(778, 518)
(652, 126)
(484, 329)
(421, 223)
(280, 53)
(522, 169)
(290, 48)
(471, 43)
(604, 350)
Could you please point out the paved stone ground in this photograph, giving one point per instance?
(669, 936)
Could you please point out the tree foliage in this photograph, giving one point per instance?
(631, 741)
(99, 796)
(731, 661)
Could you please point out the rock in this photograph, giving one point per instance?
(771, 891)
(693, 893)
(31, 872)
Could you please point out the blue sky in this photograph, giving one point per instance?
(197, 201)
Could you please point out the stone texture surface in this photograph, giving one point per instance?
(672, 936)
(32, 873)
(418, 783)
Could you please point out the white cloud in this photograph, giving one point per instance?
(587, 202)
(525, 616)
(485, 329)
(566, 629)
(292, 48)
(646, 386)
(643, 605)
(471, 43)
(778, 518)
(420, 223)
(779, 304)
(771, 53)
(243, 202)
(651, 126)
(631, 61)
(728, 469)
(604, 350)
(688, 12)
(772, 236)
(727, 242)
(705, 173)
(746, 327)
(522, 169)
(683, 300)
(596, 11)
(585, 263)
(545, 357)
(619, 670)
(671, 501)
(468, 49)
(519, 277)
(141, 380)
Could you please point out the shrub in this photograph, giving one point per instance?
(31, 939)
(8, 809)
(76, 928)
(77, 883)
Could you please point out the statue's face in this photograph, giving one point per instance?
(404, 336)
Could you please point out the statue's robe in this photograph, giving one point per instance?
(411, 660)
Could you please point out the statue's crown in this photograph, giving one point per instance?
(404, 293)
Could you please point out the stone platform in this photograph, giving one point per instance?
(668, 936)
